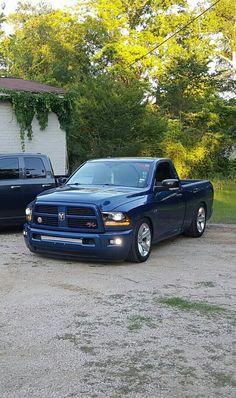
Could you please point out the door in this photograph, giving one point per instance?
(11, 200)
(168, 204)
(37, 177)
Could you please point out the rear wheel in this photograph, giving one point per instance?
(142, 241)
(198, 224)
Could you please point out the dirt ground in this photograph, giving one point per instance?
(161, 329)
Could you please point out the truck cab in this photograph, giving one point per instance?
(22, 177)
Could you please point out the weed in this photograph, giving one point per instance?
(223, 380)
(137, 321)
(87, 349)
(187, 305)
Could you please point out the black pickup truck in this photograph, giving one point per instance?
(22, 177)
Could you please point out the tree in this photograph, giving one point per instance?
(132, 28)
(166, 103)
(221, 21)
(2, 19)
(47, 45)
(112, 119)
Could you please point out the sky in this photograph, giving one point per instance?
(11, 4)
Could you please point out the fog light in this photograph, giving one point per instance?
(115, 242)
(25, 233)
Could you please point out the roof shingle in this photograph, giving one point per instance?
(12, 83)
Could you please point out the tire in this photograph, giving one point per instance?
(142, 241)
(198, 225)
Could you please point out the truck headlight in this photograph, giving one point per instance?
(115, 219)
(28, 213)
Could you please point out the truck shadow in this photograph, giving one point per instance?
(159, 246)
(11, 230)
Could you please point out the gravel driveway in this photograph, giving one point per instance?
(162, 329)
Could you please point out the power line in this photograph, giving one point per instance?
(174, 34)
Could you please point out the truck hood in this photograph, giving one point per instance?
(107, 198)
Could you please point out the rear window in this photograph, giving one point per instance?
(9, 169)
(34, 167)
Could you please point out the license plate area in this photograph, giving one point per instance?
(59, 239)
(80, 241)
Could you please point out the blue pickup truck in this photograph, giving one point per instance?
(115, 209)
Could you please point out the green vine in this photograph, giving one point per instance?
(26, 105)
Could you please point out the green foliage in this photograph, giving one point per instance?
(47, 45)
(26, 105)
(224, 201)
(23, 106)
(221, 20)
(174, 102)
(2, 19)
(110, 119)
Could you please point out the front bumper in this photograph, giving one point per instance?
(82, 245)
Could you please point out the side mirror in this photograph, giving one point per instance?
(170, 184)
(61, 181)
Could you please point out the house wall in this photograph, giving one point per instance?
(51, 141)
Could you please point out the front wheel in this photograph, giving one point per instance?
(142, 240)
(198, 224)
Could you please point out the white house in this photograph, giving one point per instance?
(51, 141)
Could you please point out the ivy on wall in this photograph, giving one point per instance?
(26, 105)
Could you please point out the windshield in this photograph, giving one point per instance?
(117, 173)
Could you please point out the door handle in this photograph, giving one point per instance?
(195, 190)
(46, 185)
(15, 186)
(179, 194)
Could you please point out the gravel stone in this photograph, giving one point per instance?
(71, 329)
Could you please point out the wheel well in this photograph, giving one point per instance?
(205, 205)
(151, 223)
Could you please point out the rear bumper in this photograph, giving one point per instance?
(83, 245)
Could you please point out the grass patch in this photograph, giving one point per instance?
(224, 206)
(87, 349)
(223, 380)
(187, 305)
(136, 322)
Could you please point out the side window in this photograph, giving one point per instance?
(34, 167)
(164, 172)
(9, 169)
